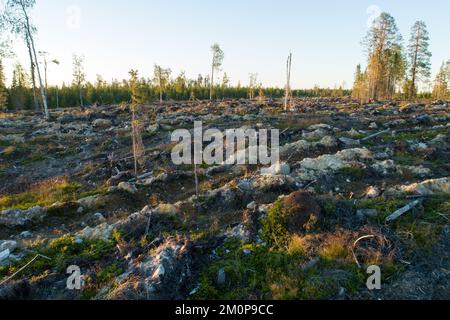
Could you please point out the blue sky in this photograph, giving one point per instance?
(324, 36)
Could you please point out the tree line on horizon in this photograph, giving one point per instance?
(81, 93)
(392, 72)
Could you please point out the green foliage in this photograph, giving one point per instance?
(63, 252)
(3, 92)
(273, 225)
(274, 274)
(45, 195)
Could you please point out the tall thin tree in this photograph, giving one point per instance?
(16, 14)
(217, 60)
(288, 82)
(419, 55)
(79, 77)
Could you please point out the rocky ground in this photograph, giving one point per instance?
(308, 230)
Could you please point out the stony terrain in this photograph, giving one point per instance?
(309, 230)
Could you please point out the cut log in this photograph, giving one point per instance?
(375, 135)
(403, 210)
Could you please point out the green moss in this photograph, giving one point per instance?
(63, 252)
(46, 195)
(273, 226)
(384, 207)
(410, 136)
(274, 274)
(352, 172)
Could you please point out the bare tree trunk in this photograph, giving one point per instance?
(160, 88)
(44, 98)
(211, 85)
(288, 82)
(57, 97)
(133, 128)
(33, 76)
(414, 68)
(81, 96)
(196, 180)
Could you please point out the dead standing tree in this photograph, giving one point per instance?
(287, 98)
(137, 99)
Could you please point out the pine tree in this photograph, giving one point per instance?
(161, 78)
(395, 68)
(19, 88)
(3, 92)
(381, 39)
(360, 87)
(137, 100)
(441, 83)
(419, 56)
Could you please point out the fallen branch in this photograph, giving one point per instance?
(354, 245)
(23, 268)
(403, 210)
(375, 135)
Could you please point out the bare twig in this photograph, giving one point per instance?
(354, 245)
(23, 268)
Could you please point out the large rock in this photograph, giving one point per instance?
(102, 123)
(19, 218)
(277, 169)
(336, 162)
(349, 142)
(293, 148)
(127, 187)
(322, 163)
(8, 245)
(425, 188)
(88, 202)
(102, 232)
(150, 277)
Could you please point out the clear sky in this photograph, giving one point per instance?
(256, 36)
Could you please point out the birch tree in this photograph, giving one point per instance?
(217, 60)
(161, 77)
(16, 15)
(252, 85)
(79, 77)
(419, 56)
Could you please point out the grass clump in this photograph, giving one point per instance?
(295, 214)
(270, 273)
(45, 194)
(63, 252)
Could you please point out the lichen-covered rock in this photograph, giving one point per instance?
(425, 188)
(127, 187)
(102, 232)
(150, 277)
(20, 218)
(102, 123)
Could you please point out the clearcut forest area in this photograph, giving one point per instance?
(88, 179)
